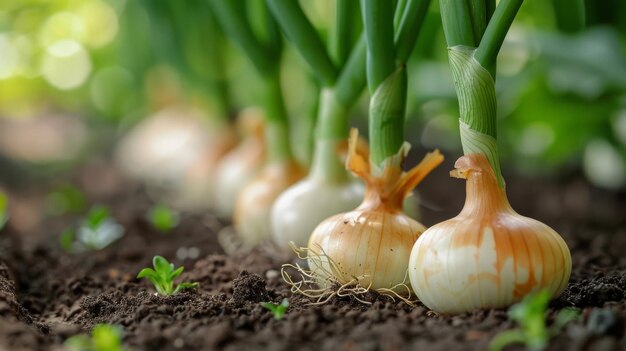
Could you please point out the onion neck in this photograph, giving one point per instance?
(484, 195)
(277, 128)
(331, 131)
(386, 188)
(375, 200)
(476, 91)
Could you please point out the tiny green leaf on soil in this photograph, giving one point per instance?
(163, 275)
(4, 214)
(278, 310)
(96, 231)
(531, 315)
(96, 217)
(67, 240)
(163, 218)
(65, 199)
(104, 337)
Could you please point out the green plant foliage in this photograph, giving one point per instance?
(66, 240)
(163, 275)
(104, 337)
(66, 199)
(278, 310)
(531, 314)
(95, 232)
(4, 214)
(98, 230)
(162, 218)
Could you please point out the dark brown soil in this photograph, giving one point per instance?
(47, 295)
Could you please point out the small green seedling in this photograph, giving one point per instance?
(4, 214)
(531, 314)
(66, 199)
(67, 240)
(104, 337)
(96, 231)
(162, 218)
(278, 310)
(163, 275)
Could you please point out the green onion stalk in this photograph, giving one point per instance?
(370, 245)
(177, 149)
(251, 217)
(488, 256)
(203, 56)
(341, 70)
(328, 189)
(134, 54)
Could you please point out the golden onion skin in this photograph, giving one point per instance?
(251, 217)
(488, 256)
(240, 165)
(373, 242)
(368, 242)
(196, 190)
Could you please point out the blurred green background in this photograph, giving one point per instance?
(75, 75)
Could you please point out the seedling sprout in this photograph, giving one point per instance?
(66, 199)
(278, 310)
(163, 218)
(163, 275)
(97, 231)
(4, 214)
(104, 337)
(530, 314)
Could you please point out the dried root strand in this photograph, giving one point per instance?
(321, 284)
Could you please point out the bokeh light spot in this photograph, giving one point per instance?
(101, 24)
(109, 87)
(535, 139)
(603, 165)
(66, 65)
(619, 126)
(60, 26)
(9, 58)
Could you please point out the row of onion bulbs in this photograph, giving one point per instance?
(511, 253)
(487, 256)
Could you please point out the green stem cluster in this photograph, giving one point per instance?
(387, 53)
(344, 77)
(263, 48)
(201, 59)
(342, 83)
(475, 32)
(569, 14)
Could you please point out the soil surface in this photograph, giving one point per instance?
(47, 295)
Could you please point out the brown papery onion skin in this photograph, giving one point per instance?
(241, 164)
(488, 256)
(373, 242)
(251, 217)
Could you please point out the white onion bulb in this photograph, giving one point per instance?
(196, 189)
(488, 256)
(163, 146)
(251, 217)
(373, 242)
(326, 191)
(239, 166)
(299, 209)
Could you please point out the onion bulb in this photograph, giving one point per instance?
(196, 189)
(299, 209)
(240, 165)
(371, 243)
(251, 217)
(488, 256)
(164, 145)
